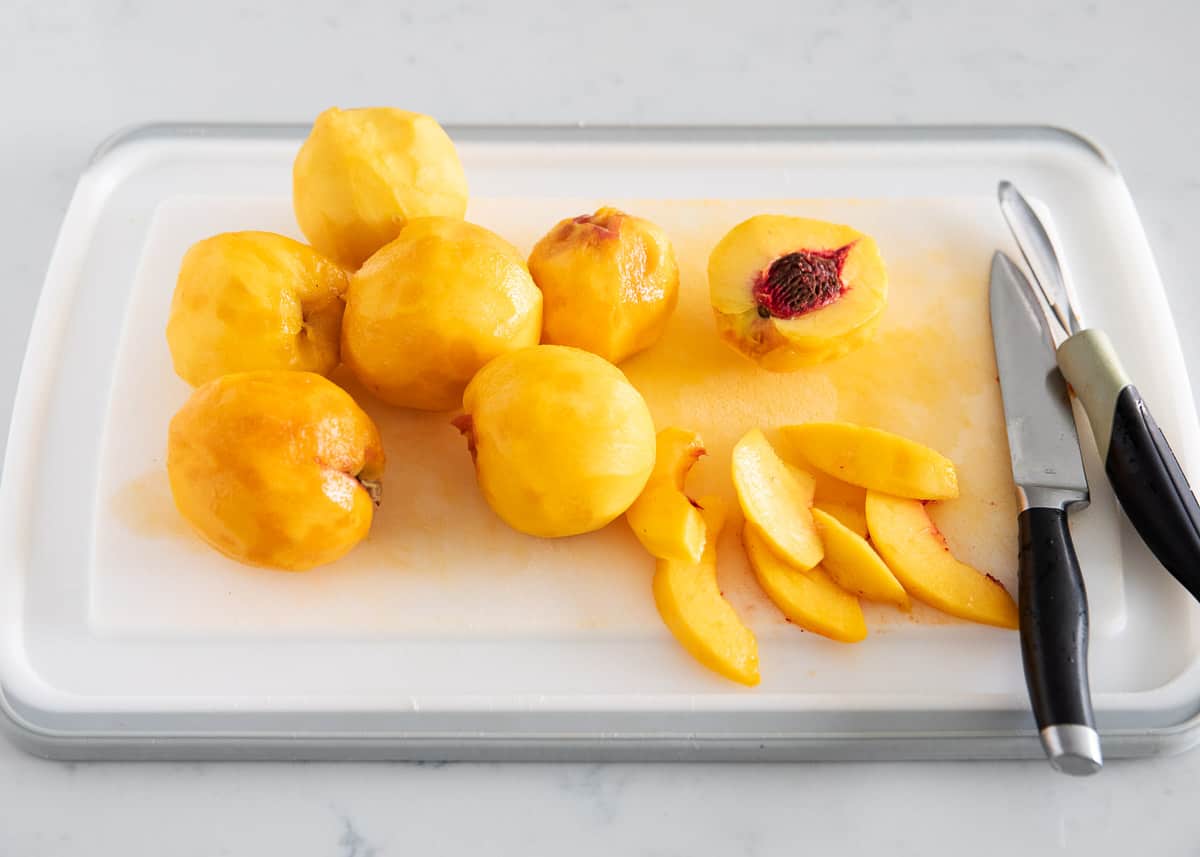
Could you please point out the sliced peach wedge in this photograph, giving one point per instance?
(691, 605)
(854, 565)
(852, 516)
(875, 459)
(777, 499)
(790, 292)
(664, 519)
(810, 599)
(844, 501)
(916, 551)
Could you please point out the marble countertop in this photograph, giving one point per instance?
(72, 72)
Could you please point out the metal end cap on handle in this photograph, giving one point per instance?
(1073, 749)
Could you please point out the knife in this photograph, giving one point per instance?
(1048, 469)
(1139, 462)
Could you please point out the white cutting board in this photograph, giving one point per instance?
(118, 620)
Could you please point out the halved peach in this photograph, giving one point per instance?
(664, 519)
(810, 599)
(917, 553)
(789, 291)
(692, 606)
(875, 459)
(776, 498)
(854, 565)
(788, 357)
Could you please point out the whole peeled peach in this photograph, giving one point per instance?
(362, 174)
(427, 311)
(610, 282)
(254, 300)
(277, 469)
(562, 442)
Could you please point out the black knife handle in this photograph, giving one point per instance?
(1153, 490)
(1143, 470)
(1054, 624)
(1054, 620)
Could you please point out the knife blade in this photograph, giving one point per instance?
(1138, 459)
(1048, 470)
(1039, 253)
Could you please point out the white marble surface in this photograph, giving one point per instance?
(71, 72)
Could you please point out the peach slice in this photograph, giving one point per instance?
(875, 459)
(917, 553)
(810, 599)
(776, 498)
(833, 496)
(789, 292)
(854, 565)
(692, 606)
(663, 518)
(853, 518)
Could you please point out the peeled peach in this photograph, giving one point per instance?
(690, 603)
(254, 300)
(610, 282)
(427, 311)
(363, 174)
(790, 292)
(663, 517)
(916, 551)
(277, 469)
(875, 459)
(809, 598)
(777, 499)
(562, 442)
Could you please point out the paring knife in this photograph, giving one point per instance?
(1139, 462)
(1048, 469)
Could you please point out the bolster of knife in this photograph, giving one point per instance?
(1141, 466)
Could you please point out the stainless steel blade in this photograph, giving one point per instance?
(1042, 439)
(1039, 253)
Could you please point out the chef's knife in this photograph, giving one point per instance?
(1048, 469)
(1139, 462)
